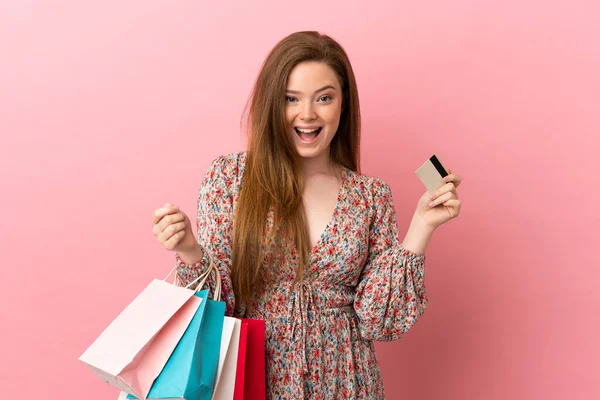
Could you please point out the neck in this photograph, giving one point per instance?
(319, 165)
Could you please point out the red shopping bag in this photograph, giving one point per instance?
(250, 379)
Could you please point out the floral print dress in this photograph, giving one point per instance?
(361, 285)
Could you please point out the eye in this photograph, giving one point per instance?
(326, 97)
(289, 99)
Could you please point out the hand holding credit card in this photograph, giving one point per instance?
(432, 174)
(440, 203)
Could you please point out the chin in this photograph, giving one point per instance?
(310, 153)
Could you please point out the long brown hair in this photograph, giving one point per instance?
(272, 179)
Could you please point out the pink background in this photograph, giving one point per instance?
(110, 109)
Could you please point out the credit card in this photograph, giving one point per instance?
(431, 173)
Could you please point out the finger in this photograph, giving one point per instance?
(172, 242)
(454, 178)
(453, 206)
(452, 202)
(161, 212)
(441, 199)
(170, 231)
(448, 187)
(160, 226)
(170, 219)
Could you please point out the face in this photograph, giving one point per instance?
(313, 107)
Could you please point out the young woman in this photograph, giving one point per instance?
(301, 238)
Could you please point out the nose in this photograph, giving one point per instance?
(308, 112)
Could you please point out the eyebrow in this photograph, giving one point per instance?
(320, 90)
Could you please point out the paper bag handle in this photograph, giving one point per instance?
(212, 268)
(203, 278)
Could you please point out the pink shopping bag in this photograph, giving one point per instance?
(134, 348)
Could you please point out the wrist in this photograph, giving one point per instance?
(418, 223)
(193, 256)
(418, 236)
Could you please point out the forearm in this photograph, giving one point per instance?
(418, 236)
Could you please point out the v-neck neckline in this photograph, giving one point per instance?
(315, 249)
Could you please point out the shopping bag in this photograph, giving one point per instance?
(255, 382)
(225, 384)
(130, 353)
(191, 370)
(212, 329)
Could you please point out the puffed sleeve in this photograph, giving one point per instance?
(390, 295)
(214, 223)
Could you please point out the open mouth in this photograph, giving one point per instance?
(308, 135)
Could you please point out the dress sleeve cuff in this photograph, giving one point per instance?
(414, 257)
(188, 272)
(417, 265)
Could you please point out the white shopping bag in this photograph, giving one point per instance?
(225, 384)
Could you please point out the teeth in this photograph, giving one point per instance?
(307, 130)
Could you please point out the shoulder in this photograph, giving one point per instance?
(368, 186)
(373, 192)
(230, 164)
(224, 173)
